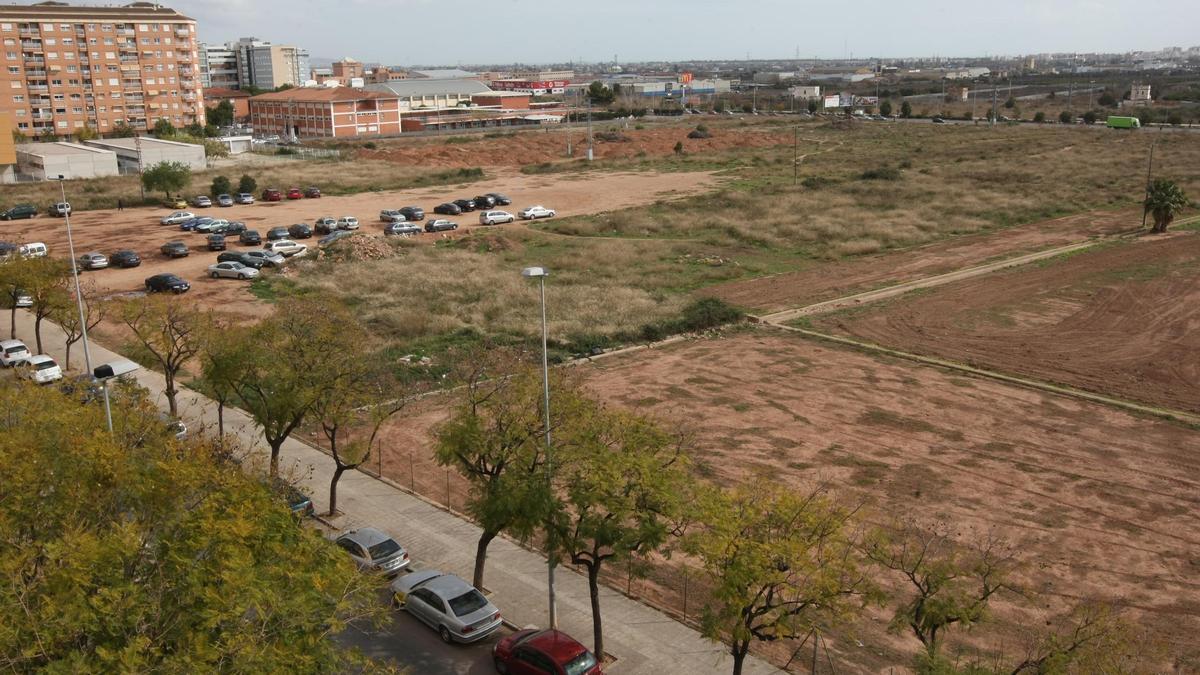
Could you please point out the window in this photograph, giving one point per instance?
(143, 27)
(15, 84)
(108, 41)
(62, 124)
(48, 27)
(52, 55)
(5, 26)
(9, 42)
(20, 112)
(22, 125)
(19, 98)
(64, 27)
(77, 111)
(103, 123)
(110, 55)
(14, 70)
(68, 41)
(50, 42)
(112, 82)
(106, 26)
(60, 111)
(12, 56)
(59, 97)
(57, 83)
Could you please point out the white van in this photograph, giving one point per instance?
(35, 249)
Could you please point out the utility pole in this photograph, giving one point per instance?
(993, 103)
(796, 156)
(137, 147)
(589, 129)
(1149, 168)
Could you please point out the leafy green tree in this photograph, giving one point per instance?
(813, 106)
(1039, 117)
(1091, 638)
(221, 114)
(224, 355)
(163, 128)
(221, 186)
(1164, 200)
(1089, 117)
(1107, 99)
(167, 333)
(46, 284)
(66, 315)
(781, 564)
(1175, 118)
(906, 109)
(167, 176)
(86, 133)
(1065, 117)
(122, 130)
(247, 184)
(1146, 115)
(138, 553)
(599, 94)
(14, 277)
(885, 108)
(195, 129)
(1010, 102)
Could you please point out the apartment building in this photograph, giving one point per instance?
(218, 66)
(316, 112)
(64, 67)
(267, 66)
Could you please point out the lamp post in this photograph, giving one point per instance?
(540, 274)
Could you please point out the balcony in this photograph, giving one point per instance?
(31, 45)
(42, 116)
(126, 31)
(189, 97)
(188, 84)
(29, 32)
(36, 72)
(37, 87)
(182, 32)
(129, 59)
(34, 61)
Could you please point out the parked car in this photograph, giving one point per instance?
(938, 120)
(465, 204)
(166, 282)
(250, 238)
(216, 226)
(201, 201)
(232, 270)
(41, 369)
(300, 504)
(285, 247)
(243, 258)
(13, 352)
(177, 218)
(174, 249)
(235, 227)
(334, 236)
(177, 203)
(391, 216)
(224, 200)
(34, 249)
(402, 228)
(543, 651)
(60, 209)
(312, 192)
(536, 212)
(24, 299)
(125, 258)
(93, 261)
(447, 604)
(325, 225)
(484, 201)
(21, 211)
(245, 198)
(448, 209)
(216, 242)
(501, 200)
(275, 233)
(294, 193)
(373, 550)
(440, 225)
(8, 250)
(347, 223)
(173, 426)
(272, 195)
(300, 231)
(495, 217)
(413, 214)
(190, 224)
(269, 258)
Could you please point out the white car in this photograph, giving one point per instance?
(13, 352)
(177, 218)
(536, 212)
(34, 249)
(231, 270)
(41, 369)
(285, 247)
(347, 223)
(495, 217)
(244, 198)
(391, 216)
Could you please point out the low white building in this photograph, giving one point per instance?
(134, 154)
(236, 144)
(806, 92)
(47, 161)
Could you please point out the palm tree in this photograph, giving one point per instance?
(1164, 200)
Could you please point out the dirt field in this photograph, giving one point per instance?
(1122, 320)
(139, 229)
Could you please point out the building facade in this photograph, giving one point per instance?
(266, 66)
(320, 112)
(218, 66)
(69, 67)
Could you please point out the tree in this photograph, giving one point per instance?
(247, 184)
(1039, 117)
(167, 176)
(1065, 117)
(195, 130)
(1164, 200)
(163, 128)
(951, 583)
(812, 106)
(780, 562)
(1089, 117)
(885, 108)
(906, 109)
(679, 147)
(224, 356)
(1010, 102)
(1175, 118)
(599, 94)
(221, 186)
(221, 114)
(178, 562)
(46, 285)
(624, 492)
(86, 133)
(1107, 99)
(1091, 638)
(122, 130)
(66, 315)
(168, 334)
(14, 275)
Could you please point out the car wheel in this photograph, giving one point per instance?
(501, 667)
(455, 227)
(444, 633)
(241, 276)
(214, 275)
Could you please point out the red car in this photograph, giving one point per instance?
(543, 652)
(312, 192)
(272, 195)
(295, 193)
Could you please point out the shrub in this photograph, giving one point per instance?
(708, 313)
(221, 186)
(700, 131)
(679, 147)
(1064, 117)
(1039, 117)
(247, 184)
(817, 182)
(370, 145)
(881, 173)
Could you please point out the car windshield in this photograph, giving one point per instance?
(46, 365)
(383, 549)
(471, 601)
(580, 664)
(14, 349)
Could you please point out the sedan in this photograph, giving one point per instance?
(235, 227)
(41, 369)
(245, 198)
(403, 229)
(391, 216)
(250, 238)
(448, 209)
(484, 201)
(312, 192)
(295, 193)
(465, 204)
(536, 212)
(269, 258)
(232, 270)
(125, 258)
(224, 200)
(536, 651)
(449, 605)
(347, 223)
(167, 282)
(177, 218)
(440, 225)
(300, 231)
(413, 213)
(93, 261)
(501, 200)
(174, 249)
(201, 202)
(243, 258)
(216, 242)
(276, 233)
(373, 550)
(325, 225)
(217, 226)
(285, 247)
(192, 224)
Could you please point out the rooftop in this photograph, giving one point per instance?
(58, 149)
(61, 10)
(320, 95)
(443, 74)
(132, 143)
(406, 88)
(220, 92)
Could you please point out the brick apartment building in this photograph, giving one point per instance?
(64, 67)
(316, 112)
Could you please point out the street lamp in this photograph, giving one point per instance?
(110, 371)
(540, 274)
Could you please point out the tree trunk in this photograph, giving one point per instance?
(738, 649)
(337, 475)
(276, 446)
(481, 556)
(12, 335)
(170, 392)
(221, 420)
(69, 345)
(593, 569)
(37, 333)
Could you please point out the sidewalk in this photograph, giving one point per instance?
(642, 639)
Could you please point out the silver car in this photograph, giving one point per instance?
(93, 261)
(232, 270)
(268, 257)
(373, 550)
(449, 605)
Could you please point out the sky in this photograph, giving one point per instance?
(451, 32)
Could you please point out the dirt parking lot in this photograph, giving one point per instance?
(139, 229)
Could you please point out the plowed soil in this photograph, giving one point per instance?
(1122, 320)
(826, 281)
(535, 148)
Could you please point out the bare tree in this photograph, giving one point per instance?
(66, 315)
(170, 332)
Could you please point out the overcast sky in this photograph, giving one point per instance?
(404, 32)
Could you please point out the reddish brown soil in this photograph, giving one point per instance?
(535, 148)
(825, 281)
(1122, 320)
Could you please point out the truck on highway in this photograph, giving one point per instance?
(1115, 122)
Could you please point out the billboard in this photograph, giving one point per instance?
(833, 101)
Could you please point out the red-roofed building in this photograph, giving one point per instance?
(239, 99)
(319, 112)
